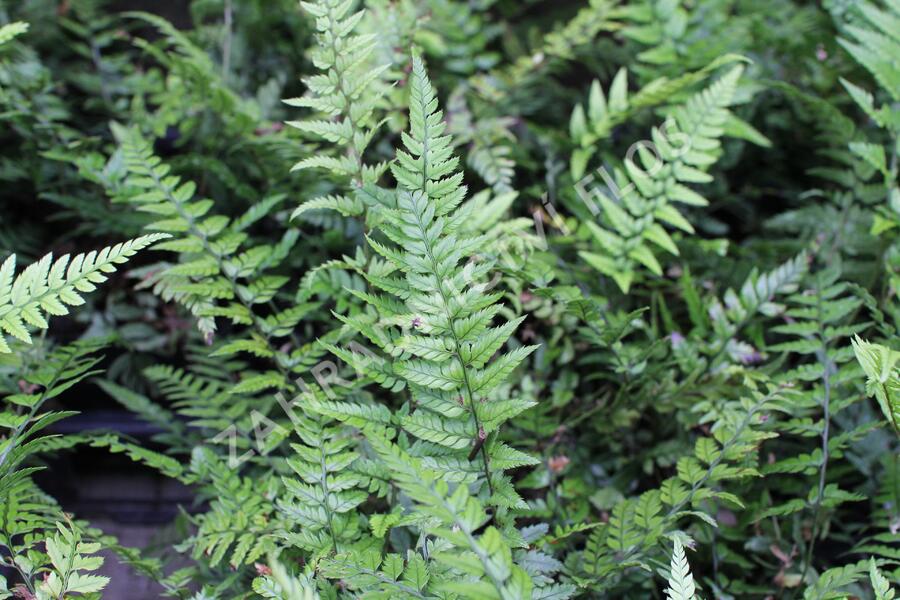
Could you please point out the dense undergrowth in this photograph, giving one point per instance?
(455, 300)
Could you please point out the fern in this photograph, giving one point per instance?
(29, 517)
(10, 31)
(882, 380)
(605, 110)
(645, 193)
(880, 584)
(636, 524)
(71, 564)
(873, 42)
(488, 568)
(343, 95)
(324, 491)
(381, 357)
(681, 582)
(434, 318)
(46, 287)
(282, 585)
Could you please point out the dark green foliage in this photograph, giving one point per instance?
(459, 300)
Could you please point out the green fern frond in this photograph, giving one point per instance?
(21, 415)
(71, 565)
(880, 584)
(428, 165)
(346, 97)
(645, 190)
(280, 584)
(879, 363)
(435, 318)
(492, 571)
(877, 44)
(681, 582)
(604, 111)
(324, 491)
(730, 453)
(47, 287)
(10, 31)
(833, 583)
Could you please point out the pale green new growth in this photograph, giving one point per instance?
(681, 582)
(48, 287)
(880, 584)
(11, 31)
(879, 363)
(69, 557)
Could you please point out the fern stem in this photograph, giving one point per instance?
(826, 418)
(12, 564)
(226, 42)
(326, 492)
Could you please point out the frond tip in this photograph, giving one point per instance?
(428, 164)
(681, 582)
(46, 287)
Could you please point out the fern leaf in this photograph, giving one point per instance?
(882, 377)
(681, 582)
(48, 287)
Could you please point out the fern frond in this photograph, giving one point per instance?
(428, 165)
(456, 517)
(605, 110)
(880, 584)
(346, 96)
(47, 287)
(10, 31)
(435, 319)
(681, 582)
(877, 45)
(879, 363)
(645, 190)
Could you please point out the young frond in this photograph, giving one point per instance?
(71, 563)
(428, 164)
(681, 582)
(10, 31)
(880, 585)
